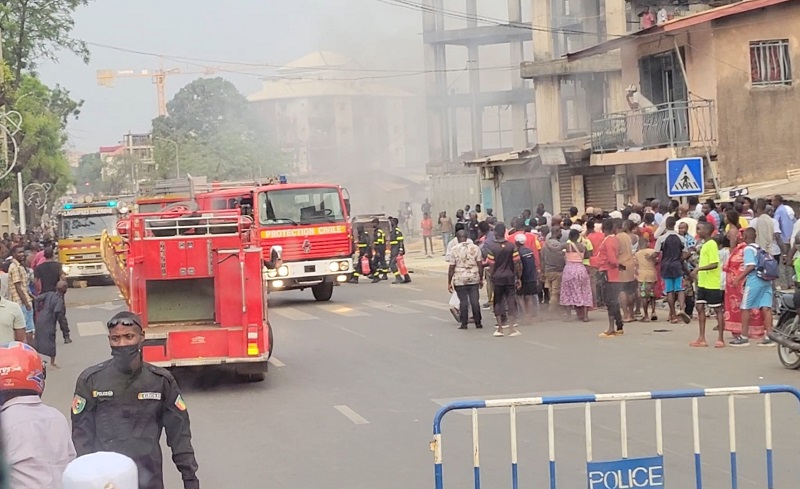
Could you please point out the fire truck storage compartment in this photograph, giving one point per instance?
(237, 291)
(183, 300)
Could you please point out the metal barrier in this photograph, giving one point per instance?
(640, 473)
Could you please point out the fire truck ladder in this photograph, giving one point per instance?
(114, 258)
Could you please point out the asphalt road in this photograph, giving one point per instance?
(355, 383)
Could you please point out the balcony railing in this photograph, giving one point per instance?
(661, 126)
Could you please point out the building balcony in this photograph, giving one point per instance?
(606, 62)
(664, 131)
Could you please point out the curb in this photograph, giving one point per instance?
(428, 273)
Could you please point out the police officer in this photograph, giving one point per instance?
(364, 249)
(397, 243)
(379, 267)
(122, 405)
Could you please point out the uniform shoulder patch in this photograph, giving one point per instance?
(179, 403)
(78, 404)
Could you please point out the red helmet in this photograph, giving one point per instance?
(20, 368)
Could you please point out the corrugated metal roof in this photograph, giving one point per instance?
(678, 24)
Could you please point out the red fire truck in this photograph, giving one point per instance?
(196, 280)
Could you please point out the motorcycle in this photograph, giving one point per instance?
(787, 332)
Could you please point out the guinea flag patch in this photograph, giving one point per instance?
(78, 404)
(179, 403)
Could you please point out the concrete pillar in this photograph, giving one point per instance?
(621, 170)
(473, 63)
(542, 38)
(616, 24)
(436, 85)
(519, 113)
(548, 109)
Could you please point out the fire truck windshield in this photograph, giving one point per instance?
(85, 226)
(300, 206)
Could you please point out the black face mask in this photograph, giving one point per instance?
(123, 357)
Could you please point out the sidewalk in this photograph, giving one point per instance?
(417, 262)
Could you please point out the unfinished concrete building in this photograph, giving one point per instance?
(477, 104)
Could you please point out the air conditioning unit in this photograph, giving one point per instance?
(620, 184)
(487, 173)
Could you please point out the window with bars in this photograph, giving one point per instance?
(770, 63)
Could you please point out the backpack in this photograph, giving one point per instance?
(767, 267)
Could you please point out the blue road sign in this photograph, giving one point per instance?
(685, 177)
(627, 473)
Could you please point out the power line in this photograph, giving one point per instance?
(193, 61)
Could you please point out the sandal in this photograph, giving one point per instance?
(606, 334)
(653, 318)
(698, 344)
(719, 344)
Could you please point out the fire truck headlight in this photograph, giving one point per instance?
(271, 273)
(344, 266)
(333, 266)
(283, 271)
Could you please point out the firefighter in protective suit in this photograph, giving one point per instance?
(397, 243)
(364, 250)
(379, 267)
(123, 404)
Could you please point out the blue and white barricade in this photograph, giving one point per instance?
(629, 473)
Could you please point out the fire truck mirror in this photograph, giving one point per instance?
(347, 206)
(275, 253)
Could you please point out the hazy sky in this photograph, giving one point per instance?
(266, 31)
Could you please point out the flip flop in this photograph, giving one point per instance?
(686, 318)
(719, 344)
(698, 344)
(605, 334)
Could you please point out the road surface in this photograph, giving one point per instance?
(355, 382)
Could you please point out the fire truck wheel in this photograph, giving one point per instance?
(323, 292)
(252, 374)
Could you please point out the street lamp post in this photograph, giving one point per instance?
(177, 156)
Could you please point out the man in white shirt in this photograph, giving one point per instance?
(683, 213)
(12, 322)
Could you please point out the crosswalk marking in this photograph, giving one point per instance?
(434, 304)
(292, 313)
(92, 328)
(393, 308)
(108, 306)
(342, 310)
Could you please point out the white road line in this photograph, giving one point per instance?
(276, 363)
(352, 332)
(292, 313)
(108, 306)
(342, 310)
(413, 288)
(540, 345)
(393, 308)
(439, 319)
(441, 306)
(92, 328)
(351, 415)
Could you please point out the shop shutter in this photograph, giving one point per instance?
(564, 190)
(599, 191)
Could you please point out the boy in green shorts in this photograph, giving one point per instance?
(708, 275)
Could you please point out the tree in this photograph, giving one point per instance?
(217, 133)
(40, 141)
(35, 30)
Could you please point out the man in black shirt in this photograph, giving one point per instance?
(48, 274)
(506, 271)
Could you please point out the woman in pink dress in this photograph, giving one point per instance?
(576, 286)
(733, 298)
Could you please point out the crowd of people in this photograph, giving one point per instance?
(705, 260)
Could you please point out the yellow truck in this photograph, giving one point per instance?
(80, 228)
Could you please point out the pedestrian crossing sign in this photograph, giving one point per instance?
(685, 177)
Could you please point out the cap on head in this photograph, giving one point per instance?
(520, 239)
(125, 318)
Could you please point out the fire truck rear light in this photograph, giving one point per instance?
(252, 335)
(252, 349)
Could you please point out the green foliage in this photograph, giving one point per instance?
(36, 30)
(111, 177)
(218, 135)
(41, 140)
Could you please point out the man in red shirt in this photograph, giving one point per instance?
(605, 260)
(427, 233)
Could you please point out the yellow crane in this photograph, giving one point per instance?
(106, 78)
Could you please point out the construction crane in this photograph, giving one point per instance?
(106, 78)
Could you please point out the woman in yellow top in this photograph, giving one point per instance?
(733, 227)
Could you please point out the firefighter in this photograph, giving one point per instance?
(364, 249)
(122, 405)
(397, 243)
(379, 267)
